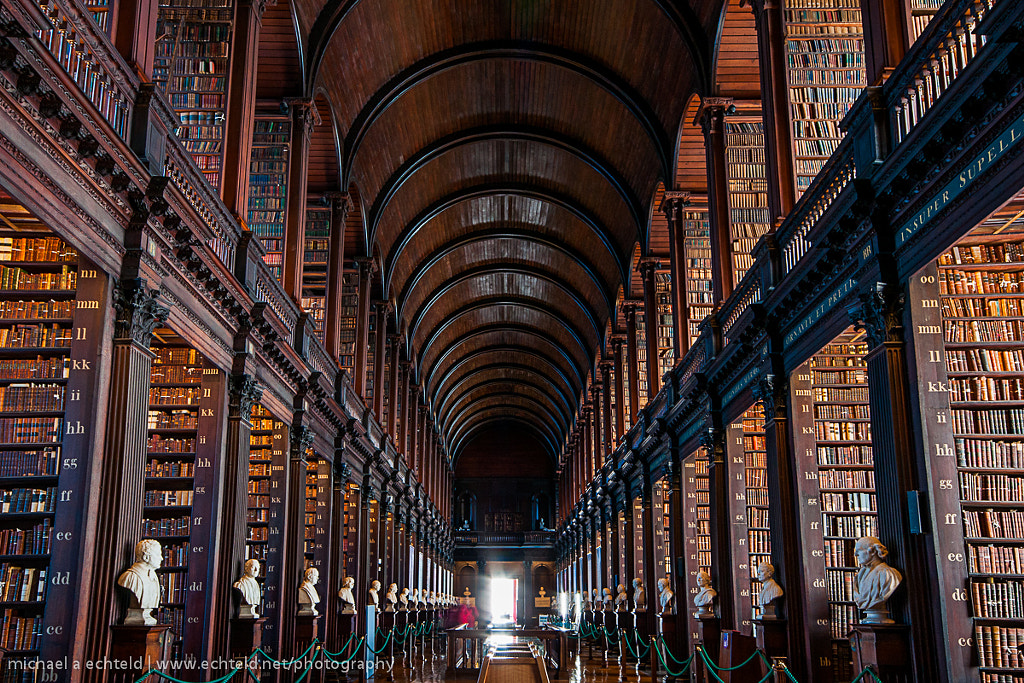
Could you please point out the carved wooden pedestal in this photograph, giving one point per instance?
(346, 640)
(387, 629)
(771, 636)
(672, 629)
(141, 646)
(884, 646)
(402, 626)
(735, 649)
(710, 630)
(246, 636)
(624, 624)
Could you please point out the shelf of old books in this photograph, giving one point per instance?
(968, 313)
(696, 531)
(51, 323)
(747, 189)
(99, 10)
(641, 355)
(825, 56)
(700, 297)
(193, 55)
(268, 186)
(314, 266)
(350, 543)
(348, 312)
(666, 332)
(187, 399)
(318, 494)
(921, 13)
(662, 529)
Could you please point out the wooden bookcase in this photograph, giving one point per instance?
(662, 530)
(99, 10)
(700, 297)
(696, 534)
(638, 549)
(314, 266)
(370, 386)
(641, 356)
(187, 407)
(318, 495)
(747, 189)
(268, 186)
(348, 312)
(921, 13)
(666, 333)
(825, 55)
(832, 443)
(350, 542)
(968, 313)
(193, 58)
(51, 323)
(266, 511)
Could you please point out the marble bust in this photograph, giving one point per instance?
(249, 587)
(586, 600)
(391, 598)
(875, 582)
(142, 582)
(348, 600)
(665, 596)
(373, 594)
(403, 599)
(770, 590)
(308, 597)
(621, 599)
(598, 600)
(705, 597)
(608, 598)
(639, 595)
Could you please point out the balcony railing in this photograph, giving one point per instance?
(504, 539)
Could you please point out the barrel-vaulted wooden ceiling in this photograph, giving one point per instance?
(505, 154)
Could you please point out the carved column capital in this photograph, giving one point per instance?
(879, 313)
(713, 440)
(245, 393)
(673, 204)
(302, 439)
(342, 471)
(770, 392)
(304, 114)
(647, 266)
(138, 311)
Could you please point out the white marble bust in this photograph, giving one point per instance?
(639, 595)
(374, 594)
(609, 599)
(665, 596)
(308, 597)
(875, 582)
(391, 598)
(348, 600)
(705, 597)
(621, 599)
(597, 600)
(142, 581)
(249, 587)
(403, 599)
(770, 590)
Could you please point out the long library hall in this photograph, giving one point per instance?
(620, 340)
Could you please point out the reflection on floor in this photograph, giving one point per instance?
(581, 670)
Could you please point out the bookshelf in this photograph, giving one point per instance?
(638, 544)
(268, 186)
(662, 529)
(187, 399)
(749, 443)
(99, 10)
(747, 190)
(348, 312)
(318, 495)
(700, 296)
(921, 13)
(825, 57)
(845, 478)
(193, 54)
(627, 419)
(371, 355)
(666, 333)
(350, 542)
(641, 357)
(47, 327)
(696, 533)
(265, 510)
(314, 266)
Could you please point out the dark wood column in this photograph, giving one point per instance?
(898, 475)
(778, 133)
(620, 383)
(402, 443)
(625, 504)
(612, 549)
(886, 36)
(648, 267)
(244, 393)
(366, 494)
(395, 344)
(712, 121)
(676, 545)
(721, 541)
(596, 391)
(379, 357)
(120, 499)
(133, 33)
(365, 266)
(650, 566)
(335, 274)
(303, 116)
(295, 531)
(673, 206)
(339, 485)
(606, 407)
(632, 359)
(241, 105)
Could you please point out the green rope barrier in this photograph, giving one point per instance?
(343, 647)
(647, 647)
(608, 634)
(633, 652)
(382, 647)
(305, 673)
(154, 672)
(355, 651)
(709, 665)
(867, 670)
(282, 662)
(669, 652)
(671, 673)
(738, 666)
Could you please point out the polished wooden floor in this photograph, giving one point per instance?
(581, 669)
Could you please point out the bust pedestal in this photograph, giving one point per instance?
(609, 636)
(246, 636)
(387, 626)
(306, 629)
(771, 636)
(624, 623)
(141, 646)
(402, 626)
(736, 648)
(672, 629)
(709, 632)
(884, 646)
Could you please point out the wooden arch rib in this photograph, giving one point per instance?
(540, 306)
(493, 377)
(492, 412)
(477, 359)
(436, 63)
(539, 400)
(550, 448)
(540, 136)
(445, 205)
(433, 298)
